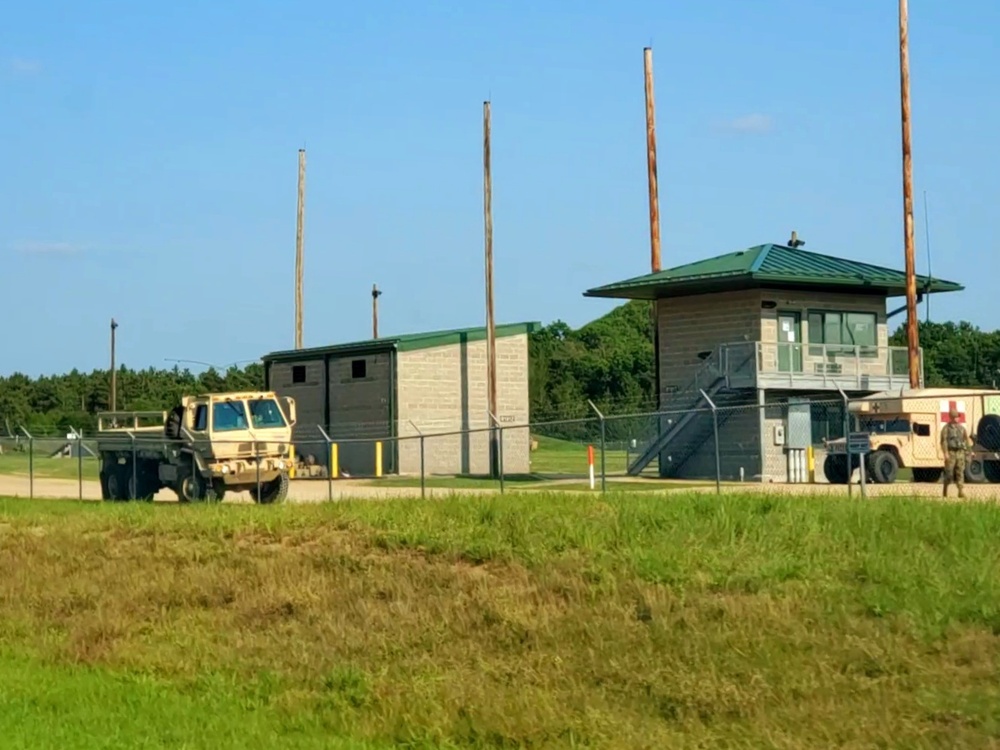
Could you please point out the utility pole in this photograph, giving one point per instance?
(491, 349)
(912, 336)
(375, 296)
(299, 237)
(654, 201)
(114, 371)
(654, 208)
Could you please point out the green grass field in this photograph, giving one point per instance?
(554, 460)
(562, 457)
(49, 468)
(541, 620)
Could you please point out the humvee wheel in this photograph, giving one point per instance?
(835, 469)
(883, 467)
(274, 491)
(975, 471)
(927, 476)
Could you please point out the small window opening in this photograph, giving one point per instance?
(298, 373)
(923, 430)
(359, 368)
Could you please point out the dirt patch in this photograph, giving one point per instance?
(312, 491)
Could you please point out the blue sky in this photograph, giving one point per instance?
(149, 159)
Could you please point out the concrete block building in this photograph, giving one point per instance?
(391, 389)
(767, 325)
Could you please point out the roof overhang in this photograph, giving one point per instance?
(644, 288)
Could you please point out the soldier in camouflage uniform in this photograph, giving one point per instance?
(954, 444)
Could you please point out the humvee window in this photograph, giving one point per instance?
(923, 430)
(265, 413)
(228, 415)
(886, 426)
(201, 418)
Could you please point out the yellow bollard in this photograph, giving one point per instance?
(811, 463)
(378, 458)
(334, 461)
(291, 462)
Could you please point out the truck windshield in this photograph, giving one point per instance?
(886, 425)
(266, 414)
(228, 416)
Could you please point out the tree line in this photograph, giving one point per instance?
(609, 361)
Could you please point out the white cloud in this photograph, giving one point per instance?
(45, 248)
(24, 67)
(752, 123)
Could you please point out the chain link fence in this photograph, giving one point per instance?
(785, 441)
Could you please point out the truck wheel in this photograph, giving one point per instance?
(141, 486)
(117, 483)
(975, 471)
(218, 491)
(835, 469)
(192, 489)
(988, 432)
(271, 492)
(928, 476)
(883, 467)
(105, 488)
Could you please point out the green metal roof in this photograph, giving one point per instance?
(772, 266)
(402, 343)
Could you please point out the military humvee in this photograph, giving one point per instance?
(202, 448)
(905, 431)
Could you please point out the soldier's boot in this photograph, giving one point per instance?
(944, 490)
(961, 490)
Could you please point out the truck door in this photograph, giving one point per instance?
(925, 434)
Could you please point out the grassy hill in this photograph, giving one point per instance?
(527, 621)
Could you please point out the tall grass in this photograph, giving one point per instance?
(518, 621)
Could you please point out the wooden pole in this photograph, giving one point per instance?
(654, 202)
(299, 238)
(491, 351)
(375, 296)
(114, 369)
(654, 210)
(912, 336)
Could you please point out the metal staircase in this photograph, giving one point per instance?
(695, 426)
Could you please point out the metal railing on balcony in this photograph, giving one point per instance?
(753, 363)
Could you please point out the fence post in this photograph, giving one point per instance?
(604, 482)
(79, 461)
(331, 459)
(500, 453)
(135, 484)
(256, 456)
(847, 441)
(715, 431)
(31, 464)
(423, 483)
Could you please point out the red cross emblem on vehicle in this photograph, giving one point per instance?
(947, 406)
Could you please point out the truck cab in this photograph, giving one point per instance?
(205, 446)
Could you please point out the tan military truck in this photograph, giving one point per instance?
(904, 430)
(204, 447)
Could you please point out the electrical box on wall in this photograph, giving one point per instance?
(779, 434)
